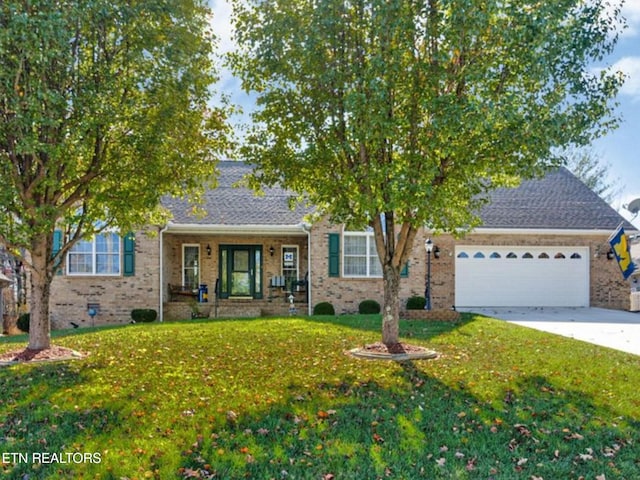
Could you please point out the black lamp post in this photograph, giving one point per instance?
(428, 246)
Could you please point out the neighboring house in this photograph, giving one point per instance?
(541, 244)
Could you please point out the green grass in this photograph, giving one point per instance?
(155, 401)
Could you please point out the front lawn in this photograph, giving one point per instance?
(279, 398)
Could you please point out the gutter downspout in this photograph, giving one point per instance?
(307, 229)
(161, 296)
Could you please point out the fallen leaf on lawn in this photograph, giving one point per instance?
(441, 461)
(585, 456)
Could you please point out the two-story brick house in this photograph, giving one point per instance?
(541, 244)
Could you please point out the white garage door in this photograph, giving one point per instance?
(490, 276)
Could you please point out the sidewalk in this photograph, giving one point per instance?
(609, 328)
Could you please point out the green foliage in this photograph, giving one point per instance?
(144, 314)
(159, 396)
(416, 303)
(415, 109)
(324, 308)
(23, 322)
(368, 307)
(104, 109)
(392, 112)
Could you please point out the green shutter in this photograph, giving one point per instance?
(129, 253)
(404, 273)
(57, 246)
(334, 254)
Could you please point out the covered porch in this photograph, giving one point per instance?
(234, 271)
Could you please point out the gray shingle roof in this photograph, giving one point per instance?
(235, 206)
(557, 201)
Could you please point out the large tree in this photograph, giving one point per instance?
(103, 109)
(399, 114)
(591, 168)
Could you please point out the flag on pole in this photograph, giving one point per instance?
(620, 246)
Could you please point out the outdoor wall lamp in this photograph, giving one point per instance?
(436, 252)
(272, 250)
(610, 255)
(208, 250)
(428, 246)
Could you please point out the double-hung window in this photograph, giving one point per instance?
(360, 258)
(99, 255)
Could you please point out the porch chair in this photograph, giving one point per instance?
(276, 282)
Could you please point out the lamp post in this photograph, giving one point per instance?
(428, 246)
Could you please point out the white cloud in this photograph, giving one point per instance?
(631, 11)
(631, 68)
(221, 24)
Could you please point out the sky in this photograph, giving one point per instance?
(619, 149)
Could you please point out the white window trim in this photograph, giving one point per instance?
(297, 249)
(94, 256)
(370, 245)
(199, 267)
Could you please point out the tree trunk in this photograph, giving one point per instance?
(41, 276)
(391, 310)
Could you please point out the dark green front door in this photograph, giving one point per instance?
(241, 271)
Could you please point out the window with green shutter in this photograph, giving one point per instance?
(334, 254)
(129, 255)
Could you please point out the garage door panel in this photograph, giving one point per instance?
(522, 281)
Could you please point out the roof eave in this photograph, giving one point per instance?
(544, 231)
(253, 229)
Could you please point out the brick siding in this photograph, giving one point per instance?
(117, 296)
(607, 288)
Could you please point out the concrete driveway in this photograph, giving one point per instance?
(609, 328)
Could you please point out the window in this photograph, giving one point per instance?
(360, 258)
(463, 255)
(97, 256)
(191, 265)
(290, 271)
(478, 255)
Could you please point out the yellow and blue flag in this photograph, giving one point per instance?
(620, 245)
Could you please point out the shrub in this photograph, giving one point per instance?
(416, 303)
(23, 322)
(324, 308)
(143, 315)
(368, 307)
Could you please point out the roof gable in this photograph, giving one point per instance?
(232, 205)
(559, 200)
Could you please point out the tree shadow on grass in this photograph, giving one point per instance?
(419, 329)
(42, 433)
(420, 427)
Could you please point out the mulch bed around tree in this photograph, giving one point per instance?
(52, 354)
(397, 352)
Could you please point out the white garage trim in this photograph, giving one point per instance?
(510, 276)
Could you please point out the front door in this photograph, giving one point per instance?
(240, 271)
